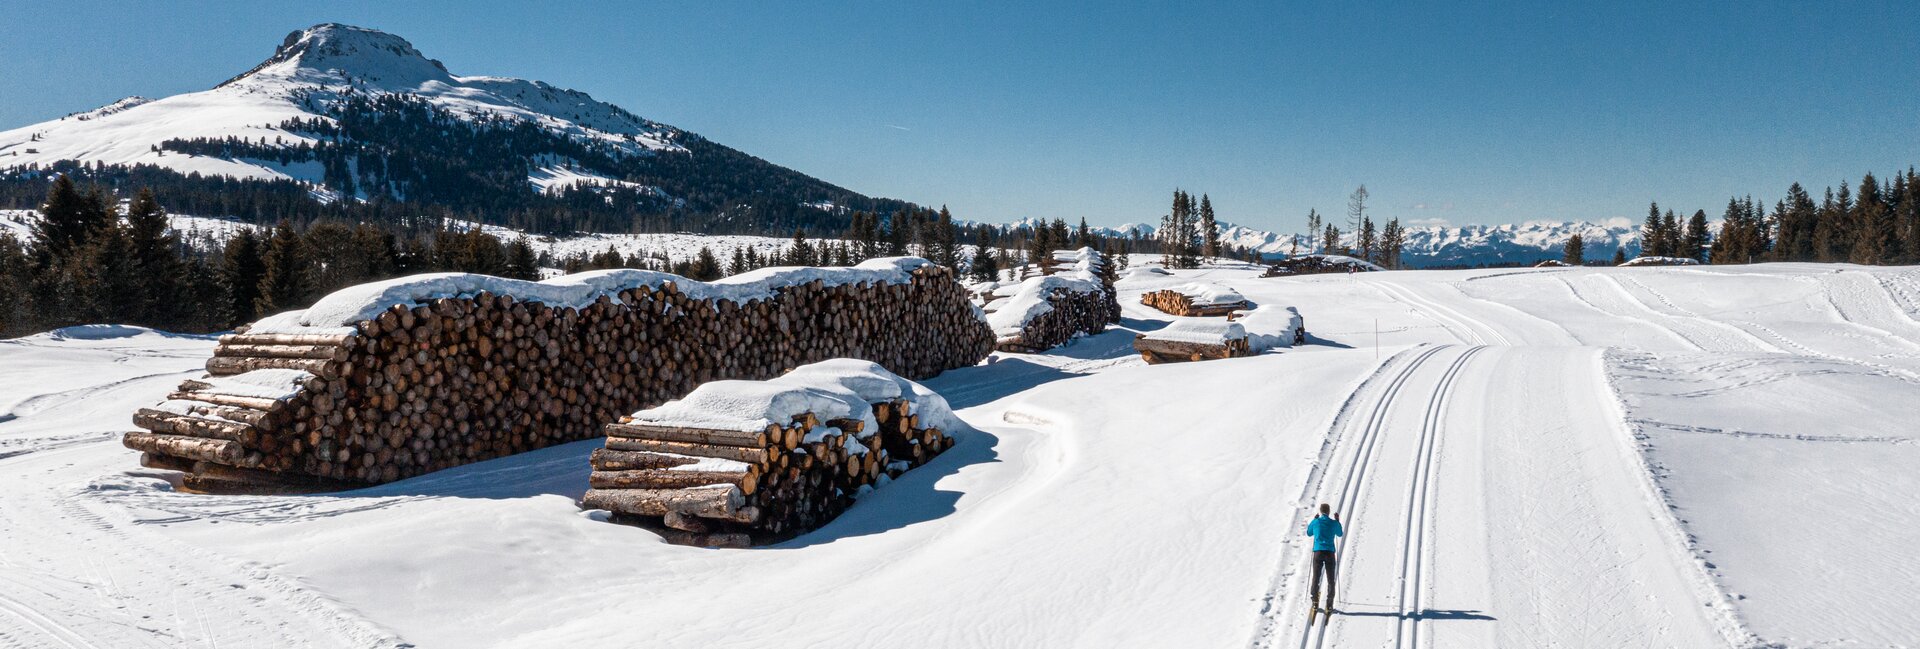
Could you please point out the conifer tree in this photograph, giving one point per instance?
(1694, 242)
(521, 262)
(1331, 243)
(68, 219)
(946, 241)
(242, 269)
(1368, 241)
(1619, 255)
(1575, 251)
(1313, 230)
(159, 275)
(284, 284)
(1209, 230)
(1669, 234)
(1652, 239)
(801, 253)
(1873, 226)
(738, 264)
(1392, 240)
(984, 267)
(706, 267)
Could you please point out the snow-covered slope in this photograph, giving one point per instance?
(1538, 457)
(311, 69)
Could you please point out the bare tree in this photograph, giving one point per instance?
(1356, 208)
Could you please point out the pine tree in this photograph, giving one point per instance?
(1040, 249)
(242, 269)
(68, 219)
(984, 267)
(1873, 226)
(1368, 241)
(1313, 231)
(1907, 217)
(521, 262)
(17, 312)
(1330, 241)
(1694, 243)
(284, 284)
(1209, 230)
(1652, 239)
(160, 275)
(801, 253)
(1392, 240)
(706, 267)
(1575, 252)
(1669, 235)
(1619, 256)
(1083, 237)
(946, 241)
(738, 264)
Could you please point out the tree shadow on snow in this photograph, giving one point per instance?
(559, 470)
(908, 500)
(967, 387)
(1427, 614)
(1323, 342)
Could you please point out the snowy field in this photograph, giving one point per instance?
(1657, 457)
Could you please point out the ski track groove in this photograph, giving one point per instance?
(1413, 556)
(1274, 619)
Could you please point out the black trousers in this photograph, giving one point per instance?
(1324, 561)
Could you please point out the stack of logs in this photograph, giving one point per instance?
(424, 387)
(1156, 351)
(1181, 304)
(1073, 313)
(776, 485)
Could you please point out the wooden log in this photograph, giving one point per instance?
(685, 523)
(196, 448)
(253, 403)
(639, 430)
(731, 540)
(230, 365)
(612, 460)
(671, 479)
(709, 502)
(324, 352)
(737, 453)
(284, 339)
(161, 421)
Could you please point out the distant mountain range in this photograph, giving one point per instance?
(1435, 245)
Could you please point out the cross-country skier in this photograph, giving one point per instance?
(1324, 529)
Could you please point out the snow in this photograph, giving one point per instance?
(338, 312)
(835, 389)
(1270, 326)
(1209, 294)
(1207, 331)
(1661, 261)
(197, 231)
(1662, 456)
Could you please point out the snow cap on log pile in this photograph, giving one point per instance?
(338, 312)
(1270, 326)
(842, 388)
(1206, 294)
(1206, 332)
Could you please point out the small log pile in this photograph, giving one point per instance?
(1192, 301)
(1046, 311)
(1071, 313)
(1317, 265)
(442, 382)
(701, 479)
(1156, 351)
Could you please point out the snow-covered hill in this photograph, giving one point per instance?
(310, 70)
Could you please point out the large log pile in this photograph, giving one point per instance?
(428, 383)
(738, 463)
(1196, 300)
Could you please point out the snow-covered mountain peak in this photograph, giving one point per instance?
(332, 53)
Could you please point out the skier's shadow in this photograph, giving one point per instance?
(1427, 614)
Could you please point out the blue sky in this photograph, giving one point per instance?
(1462, 111)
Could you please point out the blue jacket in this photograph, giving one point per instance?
(1324, 530)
